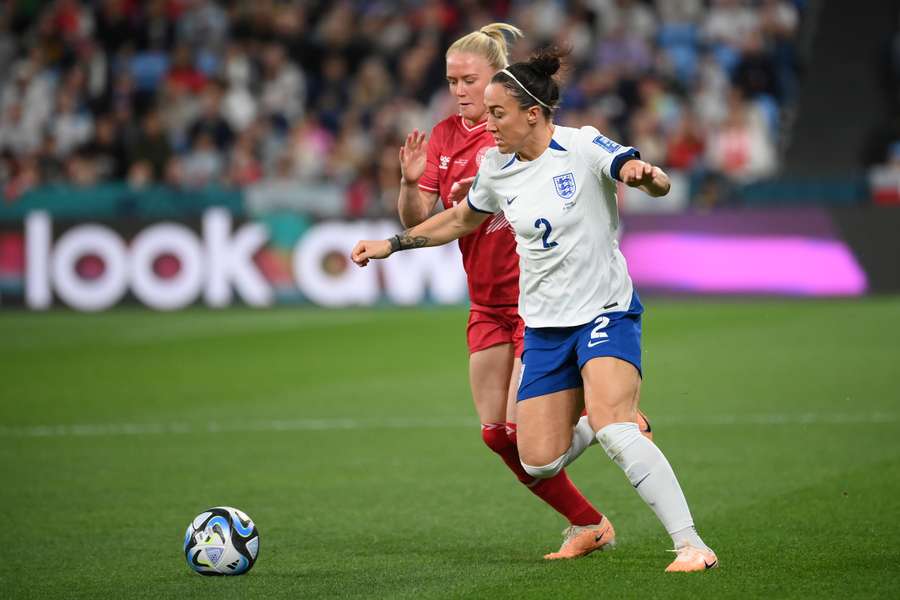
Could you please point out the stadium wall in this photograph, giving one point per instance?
(217, 257)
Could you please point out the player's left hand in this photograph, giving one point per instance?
(367, 249)
(460, 189)
(636, 173)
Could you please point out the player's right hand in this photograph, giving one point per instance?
(460, 189)
(413, 155)
(635, 173)
(367, 249)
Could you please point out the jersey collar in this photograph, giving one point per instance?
(462, 121)
(554, 145)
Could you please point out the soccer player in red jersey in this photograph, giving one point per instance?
(495, 330)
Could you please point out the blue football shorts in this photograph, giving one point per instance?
(554, 356)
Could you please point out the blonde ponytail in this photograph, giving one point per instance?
(489, 42)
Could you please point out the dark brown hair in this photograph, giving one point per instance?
(537, 83)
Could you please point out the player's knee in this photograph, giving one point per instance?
(546, 471)
(495, 437)
(512, 432)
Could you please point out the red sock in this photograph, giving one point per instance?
(558, 491)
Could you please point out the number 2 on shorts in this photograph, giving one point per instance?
(598, 336)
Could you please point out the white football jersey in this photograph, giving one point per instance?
(562, 207)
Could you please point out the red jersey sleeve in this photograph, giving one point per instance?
(429, 180)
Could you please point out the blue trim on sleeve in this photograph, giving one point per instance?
(555, 145)
(475, 208)
(620, 160)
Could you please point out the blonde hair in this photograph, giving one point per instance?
(489, 42)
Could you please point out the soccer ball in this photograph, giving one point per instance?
(221, 541)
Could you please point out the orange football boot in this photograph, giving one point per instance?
(693, 559)
(581, 540)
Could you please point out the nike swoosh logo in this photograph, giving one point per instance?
(710, 566)
(592, 344)
(597, 538)
(644, 478)
(511, 200)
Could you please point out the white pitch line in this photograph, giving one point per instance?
(273, 425)
(333, 424)
(873, 418)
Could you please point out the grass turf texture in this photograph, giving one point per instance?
(350, 439)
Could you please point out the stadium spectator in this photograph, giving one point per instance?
(626, 15)
(106, 149)
(244, 168)
(728, 23)
(23, 175)
(741, 148)
(210, 121)
(113, 28)
(239, 105)
(624, 52)
(18, 135)
(331, 93)
(156, 29)
(755, 71)
(686, 144)
(203, 22)
(8, 44)
(81, 170)
(151, 145)
(140, 175)
(647, 135)
(183, 73)
(884, 179)
(50, 167)
(27, 103)
(283, 87)
(203, 164)
(72, 125)
(308, 148)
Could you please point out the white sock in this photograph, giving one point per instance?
(688, 537)
(652, 476)
(583, 427)
(582, 438)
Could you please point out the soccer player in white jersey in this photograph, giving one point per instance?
(557, 187)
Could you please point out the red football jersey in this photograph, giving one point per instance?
(489, 253)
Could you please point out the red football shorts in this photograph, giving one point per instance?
(495, 325)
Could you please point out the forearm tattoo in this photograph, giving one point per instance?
(404, 241)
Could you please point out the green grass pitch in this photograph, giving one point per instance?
(350, 439)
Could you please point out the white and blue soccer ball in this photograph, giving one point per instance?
(221, 541)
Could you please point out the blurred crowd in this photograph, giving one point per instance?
(192, 93)
(883, 156)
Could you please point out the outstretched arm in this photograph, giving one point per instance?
(443, 227)
(644, 176)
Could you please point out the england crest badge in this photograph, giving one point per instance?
(565, 185)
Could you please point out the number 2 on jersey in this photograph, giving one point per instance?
(545, 223)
